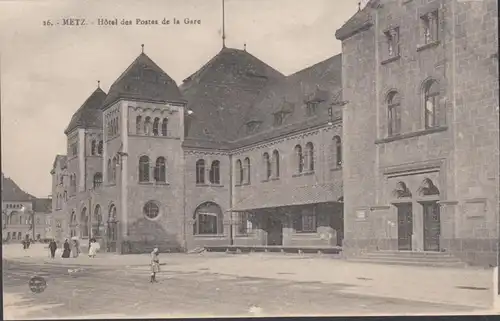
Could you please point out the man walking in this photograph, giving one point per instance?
(52, 248)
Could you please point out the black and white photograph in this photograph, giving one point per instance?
(249, 158)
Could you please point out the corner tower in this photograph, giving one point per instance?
(143, 117)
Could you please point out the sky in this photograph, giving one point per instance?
(47, 72)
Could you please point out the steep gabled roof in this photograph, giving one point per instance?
(89, 114)
(361, 20)
(12, 192)
(221, 92)
(143, 80)
(321, 83)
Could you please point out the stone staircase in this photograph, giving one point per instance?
(432, 259)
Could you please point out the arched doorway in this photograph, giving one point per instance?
(72, 224)
(112, 229)
(432, 215)
(208, 219)
(98, 228)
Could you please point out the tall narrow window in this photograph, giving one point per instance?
(85, 222)
(215, 172)
(430, 23)
(156, 125)
(164, 127)
(147, 126)
(310, 156)
(113, 169)
(337, 145)
(99, 148)
(276, 164)
(92, 148)
(160, 170)
(431, 98)
(109, 173)
(393, 113)
(200, 171)
(266, 162)
(97, 179)
(240, 172)
(392, 40)
(299, 161)
(247, 170)
(144, 169)
(138, 125)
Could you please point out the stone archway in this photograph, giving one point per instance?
(208, 219)
(431, 214)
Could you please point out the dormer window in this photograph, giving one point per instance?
(278, 118)
(252, 126)
(312, 108)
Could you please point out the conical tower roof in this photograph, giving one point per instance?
(143, 80)
(89, 115)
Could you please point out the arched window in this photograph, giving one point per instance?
(431, 100)
(215, 172)
(117, 125)
(110, 174)
(138, 125)
(112, 224)
(160, 170)
(267, 165)
(61, 179)
(208, 219)
(239, 170)
(85, 222)
(97, 179)
(393, 113)
(246, 166)
(13, 217)
(200, 171)
(65, 196)
(156, 125)
(337, 152)
(72, 224)
(276, 164)
(144, 169)
(299, 160)
(93, 147)
(164, 127)
(310, 156)
(151, 210)
(97, 229)
(147, 126)
(113, 169)
(99, 148)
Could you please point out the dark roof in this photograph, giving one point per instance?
(221, 92)
(320, 83)
(42, 205)
(143, 80)
(361, 20)
(12, 192)
(89, 114)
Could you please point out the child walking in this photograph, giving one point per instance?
(155, 264)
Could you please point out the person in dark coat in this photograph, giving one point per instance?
(66, 249)
(52, 248)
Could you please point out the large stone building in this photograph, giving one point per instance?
(421, 131)
(18, 210)
(241, 155)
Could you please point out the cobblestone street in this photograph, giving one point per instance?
(121, 291)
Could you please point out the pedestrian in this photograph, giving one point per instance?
(94, 247)
(75, 251)
(66, 249)
(52, 248)
(155, 264)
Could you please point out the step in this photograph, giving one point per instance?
(410, 253)
(409, 263)
(405, 258)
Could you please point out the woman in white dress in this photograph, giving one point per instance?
(94, 247)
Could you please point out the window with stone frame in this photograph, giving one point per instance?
(214, 174)
(240, 172)
(100, 148)
(299, 159)
(151, 210)
(246, 170)
(97, 179)
(276, 164)
(138, 125)
(266, 160)
(164, 127)
(160, 170)
(309, 157)
(200, 171)
(392, 43)
(431, 97)
(93, 147)
(156, 126)
(393, 113)
(430, 27)
(144, 169)
(208, 219)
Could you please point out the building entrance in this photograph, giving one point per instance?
(405, 226)
(274, 230)
(432, 226)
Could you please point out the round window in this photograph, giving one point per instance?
(151, 210)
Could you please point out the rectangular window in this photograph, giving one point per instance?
(311, 108)
(430, 23)
(244, 225)
(306, 222)
(207, 223)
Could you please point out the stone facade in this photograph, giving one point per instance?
(453, 149)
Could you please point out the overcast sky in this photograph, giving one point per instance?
(48, 72)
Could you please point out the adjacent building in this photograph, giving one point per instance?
(421, 130)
